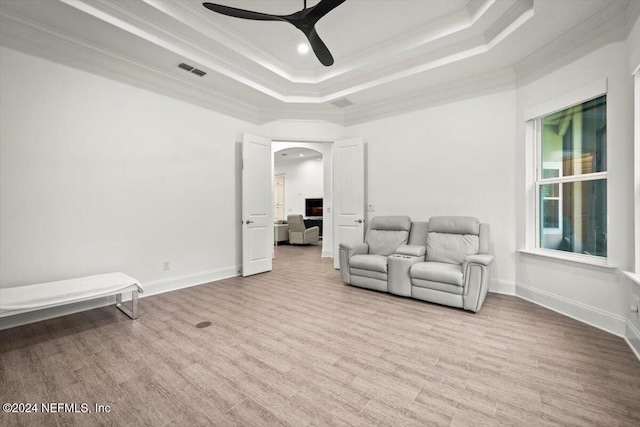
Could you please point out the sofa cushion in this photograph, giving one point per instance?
(368, 273)
(437, 272)
(385, 242)
(437, 286)
(387, 233)
(369, 262)
(451, 248)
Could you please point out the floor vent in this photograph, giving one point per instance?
(191, 69)
(342, 103)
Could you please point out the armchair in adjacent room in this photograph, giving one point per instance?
(299, 234)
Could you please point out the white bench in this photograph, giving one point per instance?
(23, 299)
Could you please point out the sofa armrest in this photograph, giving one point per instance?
(476, 280)
(357, 249)
(312, 233)
(411, 250)
(346, 251)
(482, 259)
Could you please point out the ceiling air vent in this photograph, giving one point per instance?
(342, 103)
(191, 69)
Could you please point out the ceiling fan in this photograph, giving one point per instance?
(304, 20)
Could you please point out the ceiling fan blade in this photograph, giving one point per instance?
(322, 8)
(241, 13)
(319, 48)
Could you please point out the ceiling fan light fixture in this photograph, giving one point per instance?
(304, 20)
(303, 48)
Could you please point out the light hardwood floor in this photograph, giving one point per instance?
(297, 347)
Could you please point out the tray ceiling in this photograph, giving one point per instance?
(390, 56)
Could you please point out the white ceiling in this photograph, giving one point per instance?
(390, 56)
(295, 154)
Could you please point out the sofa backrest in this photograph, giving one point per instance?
(387, 233)
(452, 238)
(296, 223)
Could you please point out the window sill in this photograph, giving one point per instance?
(635, 277)
(586, 260)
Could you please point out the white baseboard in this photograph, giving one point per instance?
(632, 337)
(150, 288)
(590, 315)
(179, 282)
(327, 254)
(506, 287)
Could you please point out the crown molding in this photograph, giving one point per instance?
(129, 20)
(478, 85)
(30, 37)
(513, 18)
(454, 22)
(610, 24)
(196, 19)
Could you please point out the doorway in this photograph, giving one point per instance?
(303, 185)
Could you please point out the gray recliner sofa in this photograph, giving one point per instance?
(445, 261)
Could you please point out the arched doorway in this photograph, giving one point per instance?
(304, 171)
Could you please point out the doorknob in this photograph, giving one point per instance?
(248, 222)
(359, 221)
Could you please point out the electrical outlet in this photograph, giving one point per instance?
(166, 265)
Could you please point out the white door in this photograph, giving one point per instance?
(348, 195)
(257, 208)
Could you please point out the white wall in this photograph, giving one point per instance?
(452, 159)
(304, 179)
(98, 176)
(302, 131)
(592, 294)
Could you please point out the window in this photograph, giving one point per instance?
(571, 179)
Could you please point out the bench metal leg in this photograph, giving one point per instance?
(131, 312)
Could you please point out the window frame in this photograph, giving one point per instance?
(559, 228)
(533, 169)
